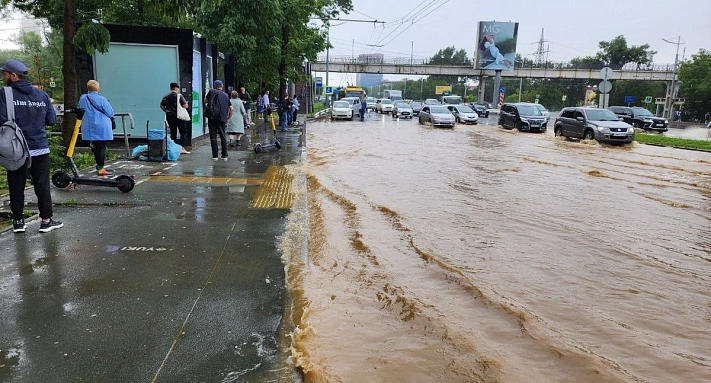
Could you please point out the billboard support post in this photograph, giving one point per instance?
(497, 85)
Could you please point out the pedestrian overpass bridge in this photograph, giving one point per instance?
(407, 66)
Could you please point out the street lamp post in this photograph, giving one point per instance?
(669, 104)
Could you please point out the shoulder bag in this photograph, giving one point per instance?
(181, 112)
(113, 121)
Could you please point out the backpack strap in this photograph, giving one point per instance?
(9, 103)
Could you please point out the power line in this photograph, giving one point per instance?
(415, 21)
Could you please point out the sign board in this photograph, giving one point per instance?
(496, 45)
(606, 73)
(447, 93)
(319, 82)
(604, 86)
(52, 84)
(440, 89)
(629, 99)
(329, 90)
(564, 98)
(648, 100)
(536, 101)
(502, 90)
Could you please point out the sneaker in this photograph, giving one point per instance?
(104, 172)
(214, 158)
(46, 227)
(18, 225)
(224, 158)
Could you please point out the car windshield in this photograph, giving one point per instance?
(370, 99)
(431, 102)
(541, 108)
(416, 104)
(386, 101)
(439, 109)
(465, 109)
(341, 104)
(601, 115)
(643, 112)
(529, 110)
(402, 105)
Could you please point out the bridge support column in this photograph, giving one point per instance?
(497, 85)
(482, 88)
(668, 101)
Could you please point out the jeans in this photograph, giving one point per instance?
(17, 179)
(266, 115)
(176, 126)
(284, 121)
(217, 127)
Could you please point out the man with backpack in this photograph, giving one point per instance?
(218, 111)
(33, 111)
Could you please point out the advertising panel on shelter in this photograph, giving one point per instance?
(496, 45)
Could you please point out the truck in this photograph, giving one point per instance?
(452, 99)
(392, 94)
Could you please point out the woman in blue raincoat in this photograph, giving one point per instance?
(96, 124)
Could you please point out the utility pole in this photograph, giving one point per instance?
(520, 87)
(671, 94)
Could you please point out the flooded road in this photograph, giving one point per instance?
(477, 254)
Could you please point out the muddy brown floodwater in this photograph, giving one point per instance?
(477, 254)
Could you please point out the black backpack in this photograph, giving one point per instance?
(213, 107)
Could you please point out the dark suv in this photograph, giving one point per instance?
(592, 123)
(480, 109)
(641, 118)
(522, 116)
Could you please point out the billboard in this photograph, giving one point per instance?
(496, 45)
(441, 89)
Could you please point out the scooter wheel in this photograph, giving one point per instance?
(277, 144)
(258, 148)
(125, 183)
(61, 179)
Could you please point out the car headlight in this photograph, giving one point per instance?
(524, 120)
(602, 129)
(648, 120)
(666, 121)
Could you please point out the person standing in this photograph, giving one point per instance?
(33, 111)
(295, 109)
(169, 105)
(285, 106)
(247, 104)
(235, 125)
(216, 124)
(363, 108)
(96, 124)
(266, 106)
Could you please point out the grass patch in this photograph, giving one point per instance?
(686, 143)
(319, 107)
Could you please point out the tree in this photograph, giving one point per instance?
(615, 53)
(695, 82)
(450, 56)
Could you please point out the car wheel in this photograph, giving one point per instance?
(558, 131)
(589, 135)
(517, 126)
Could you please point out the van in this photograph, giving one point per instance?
(355, 104)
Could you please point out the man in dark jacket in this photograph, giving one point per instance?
(169, 105)
(247, 101)
(33, 110)
(217, 125)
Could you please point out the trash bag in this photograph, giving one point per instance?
(174, 150)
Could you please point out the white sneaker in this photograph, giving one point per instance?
(214, 158)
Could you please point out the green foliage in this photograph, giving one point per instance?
(639, 89)
(615, 54)
(686, 143)
(43, 58)
(695, 78)
(319, 106)
(92, 37)
(449, 56)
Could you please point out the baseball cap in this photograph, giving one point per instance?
(217, 83)
(14, 66)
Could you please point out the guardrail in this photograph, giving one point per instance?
(518, 65)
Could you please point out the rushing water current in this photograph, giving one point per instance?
(477, 254)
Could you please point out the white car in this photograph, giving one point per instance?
(384, 105)
(464, 114)
(341, 110)
(402, 109)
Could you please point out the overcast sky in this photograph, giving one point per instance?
(572, 28)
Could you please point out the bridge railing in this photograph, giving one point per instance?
(518, 65)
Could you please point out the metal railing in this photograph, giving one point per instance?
(518, 65)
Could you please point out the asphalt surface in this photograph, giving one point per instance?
(180, 280)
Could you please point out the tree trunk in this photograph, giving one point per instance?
(284, 46)
(69, 69)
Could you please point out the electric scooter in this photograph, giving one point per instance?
(268, 143)
(62, 178)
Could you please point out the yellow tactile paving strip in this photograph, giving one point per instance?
(275, 191)
(206, 180)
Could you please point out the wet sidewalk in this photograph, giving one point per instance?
(180, 280)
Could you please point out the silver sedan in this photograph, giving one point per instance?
(437, 115)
